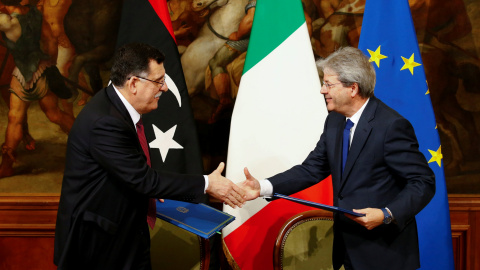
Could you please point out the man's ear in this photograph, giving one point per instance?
(355, 90)
(131, 85)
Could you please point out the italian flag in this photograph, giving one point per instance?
(277, 120)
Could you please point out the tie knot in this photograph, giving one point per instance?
(349, 124)
(139, 123)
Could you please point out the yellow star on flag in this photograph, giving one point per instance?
(436, 156)
(409, 63)
(375, 56)
(428, 89)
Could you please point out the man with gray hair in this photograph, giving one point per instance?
(372, 153)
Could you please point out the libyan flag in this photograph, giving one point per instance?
(170, 129)
(277, 120)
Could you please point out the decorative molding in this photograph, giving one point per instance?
(464, 202)
(465, 223)
(28, 215)
(460, 236)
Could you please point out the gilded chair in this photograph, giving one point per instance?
(305, 241)
(177, 249)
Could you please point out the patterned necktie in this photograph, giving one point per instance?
(151, 218)
(346, 142)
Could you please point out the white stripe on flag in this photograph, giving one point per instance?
(277, 119)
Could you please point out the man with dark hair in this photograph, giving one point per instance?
(108, 182)
(372, 154)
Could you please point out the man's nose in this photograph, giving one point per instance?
(164, 87)
(323, 90)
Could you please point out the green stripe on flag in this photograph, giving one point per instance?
(274, 22)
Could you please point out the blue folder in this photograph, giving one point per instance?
(319, 205)
(199, 219)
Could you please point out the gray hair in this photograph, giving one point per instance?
(351, 66)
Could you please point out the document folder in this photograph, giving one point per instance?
(319, 205)
(199, 219)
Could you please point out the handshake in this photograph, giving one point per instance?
(225, 190)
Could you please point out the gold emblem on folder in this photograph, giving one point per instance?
(182, 209)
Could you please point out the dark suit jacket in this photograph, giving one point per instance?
(101, 221)
(384, 169)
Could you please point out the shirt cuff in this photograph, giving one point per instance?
(266, 188)
(206, 184)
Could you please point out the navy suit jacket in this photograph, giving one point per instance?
(101, 221)
(384, 169)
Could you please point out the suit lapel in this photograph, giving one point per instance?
(360, 137)
(119, 106)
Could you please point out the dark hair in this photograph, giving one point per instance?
(133, 59)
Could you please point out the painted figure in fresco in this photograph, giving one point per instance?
(35, 78)
(6, 70)
(186, 22)
(223, 21)
(56, 44)
(336, 24)
(236, 44)
(92, 26)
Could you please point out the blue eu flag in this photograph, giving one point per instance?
(388, 38)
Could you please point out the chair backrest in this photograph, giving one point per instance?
(173, 248)
(305, 241)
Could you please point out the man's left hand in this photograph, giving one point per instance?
(372, 219)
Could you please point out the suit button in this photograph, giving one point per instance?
(340, 196)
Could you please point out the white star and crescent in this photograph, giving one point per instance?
(164, 141)
(173, 88)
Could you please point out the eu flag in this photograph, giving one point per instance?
(388, 38)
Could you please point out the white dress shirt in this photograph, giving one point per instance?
(266, 188)
(136, 117)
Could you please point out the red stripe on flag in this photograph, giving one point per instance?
(251, 244)
(161, 9)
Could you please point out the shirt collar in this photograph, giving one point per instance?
(356, 117)
(131, 111)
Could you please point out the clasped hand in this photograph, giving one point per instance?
(251, 186)
(223, 189)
